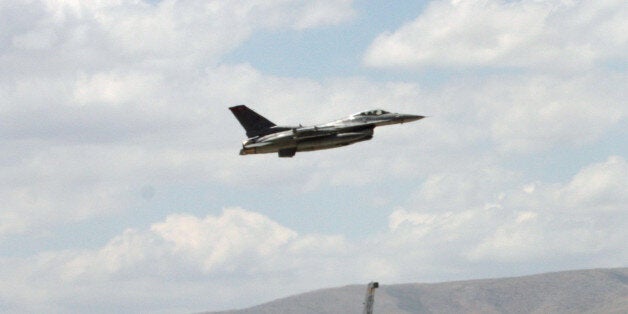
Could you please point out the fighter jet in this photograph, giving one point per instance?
(266, 137)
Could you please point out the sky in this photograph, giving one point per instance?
(122, 189)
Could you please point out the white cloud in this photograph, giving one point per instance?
(599, 186)
(240, 258)
(97, 96)
(324, 12)
(111, 133)
(236, 257)
(37, 39)
(60, 40)
(237, 234)
(122, 118)
(525, 33)
(114, 88)
(570, 225)
(531, 113)
(103, 104)
(177, 29)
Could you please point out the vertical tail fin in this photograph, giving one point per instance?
(253, 123)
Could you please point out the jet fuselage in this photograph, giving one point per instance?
(266, 137)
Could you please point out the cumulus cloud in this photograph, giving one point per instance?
(229, 259)
(105, 104)
(141, 31)
(496, 33)
(235, 235)
(510, 222)
(105, 114)
(96, 97)
(237, 242)
(531, 113)
(107, 139)
(110, 133)
(599, 187)
(241, 257)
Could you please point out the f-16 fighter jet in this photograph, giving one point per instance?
(266, 137)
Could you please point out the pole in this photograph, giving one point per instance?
(370, 297)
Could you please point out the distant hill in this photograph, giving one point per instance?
(581, 291)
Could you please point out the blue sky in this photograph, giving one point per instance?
(327, 51)
(123, 190)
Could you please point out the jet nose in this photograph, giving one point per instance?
(411, 117)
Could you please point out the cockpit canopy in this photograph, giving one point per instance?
(376, 112)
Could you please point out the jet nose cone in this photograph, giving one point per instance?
(411, 117)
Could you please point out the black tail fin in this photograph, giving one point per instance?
(253, 123)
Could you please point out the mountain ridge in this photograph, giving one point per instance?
(574, 291)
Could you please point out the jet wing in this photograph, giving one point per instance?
(323, 131)
(313, 131)
(257, 145)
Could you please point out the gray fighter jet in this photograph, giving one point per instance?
(266, 137)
